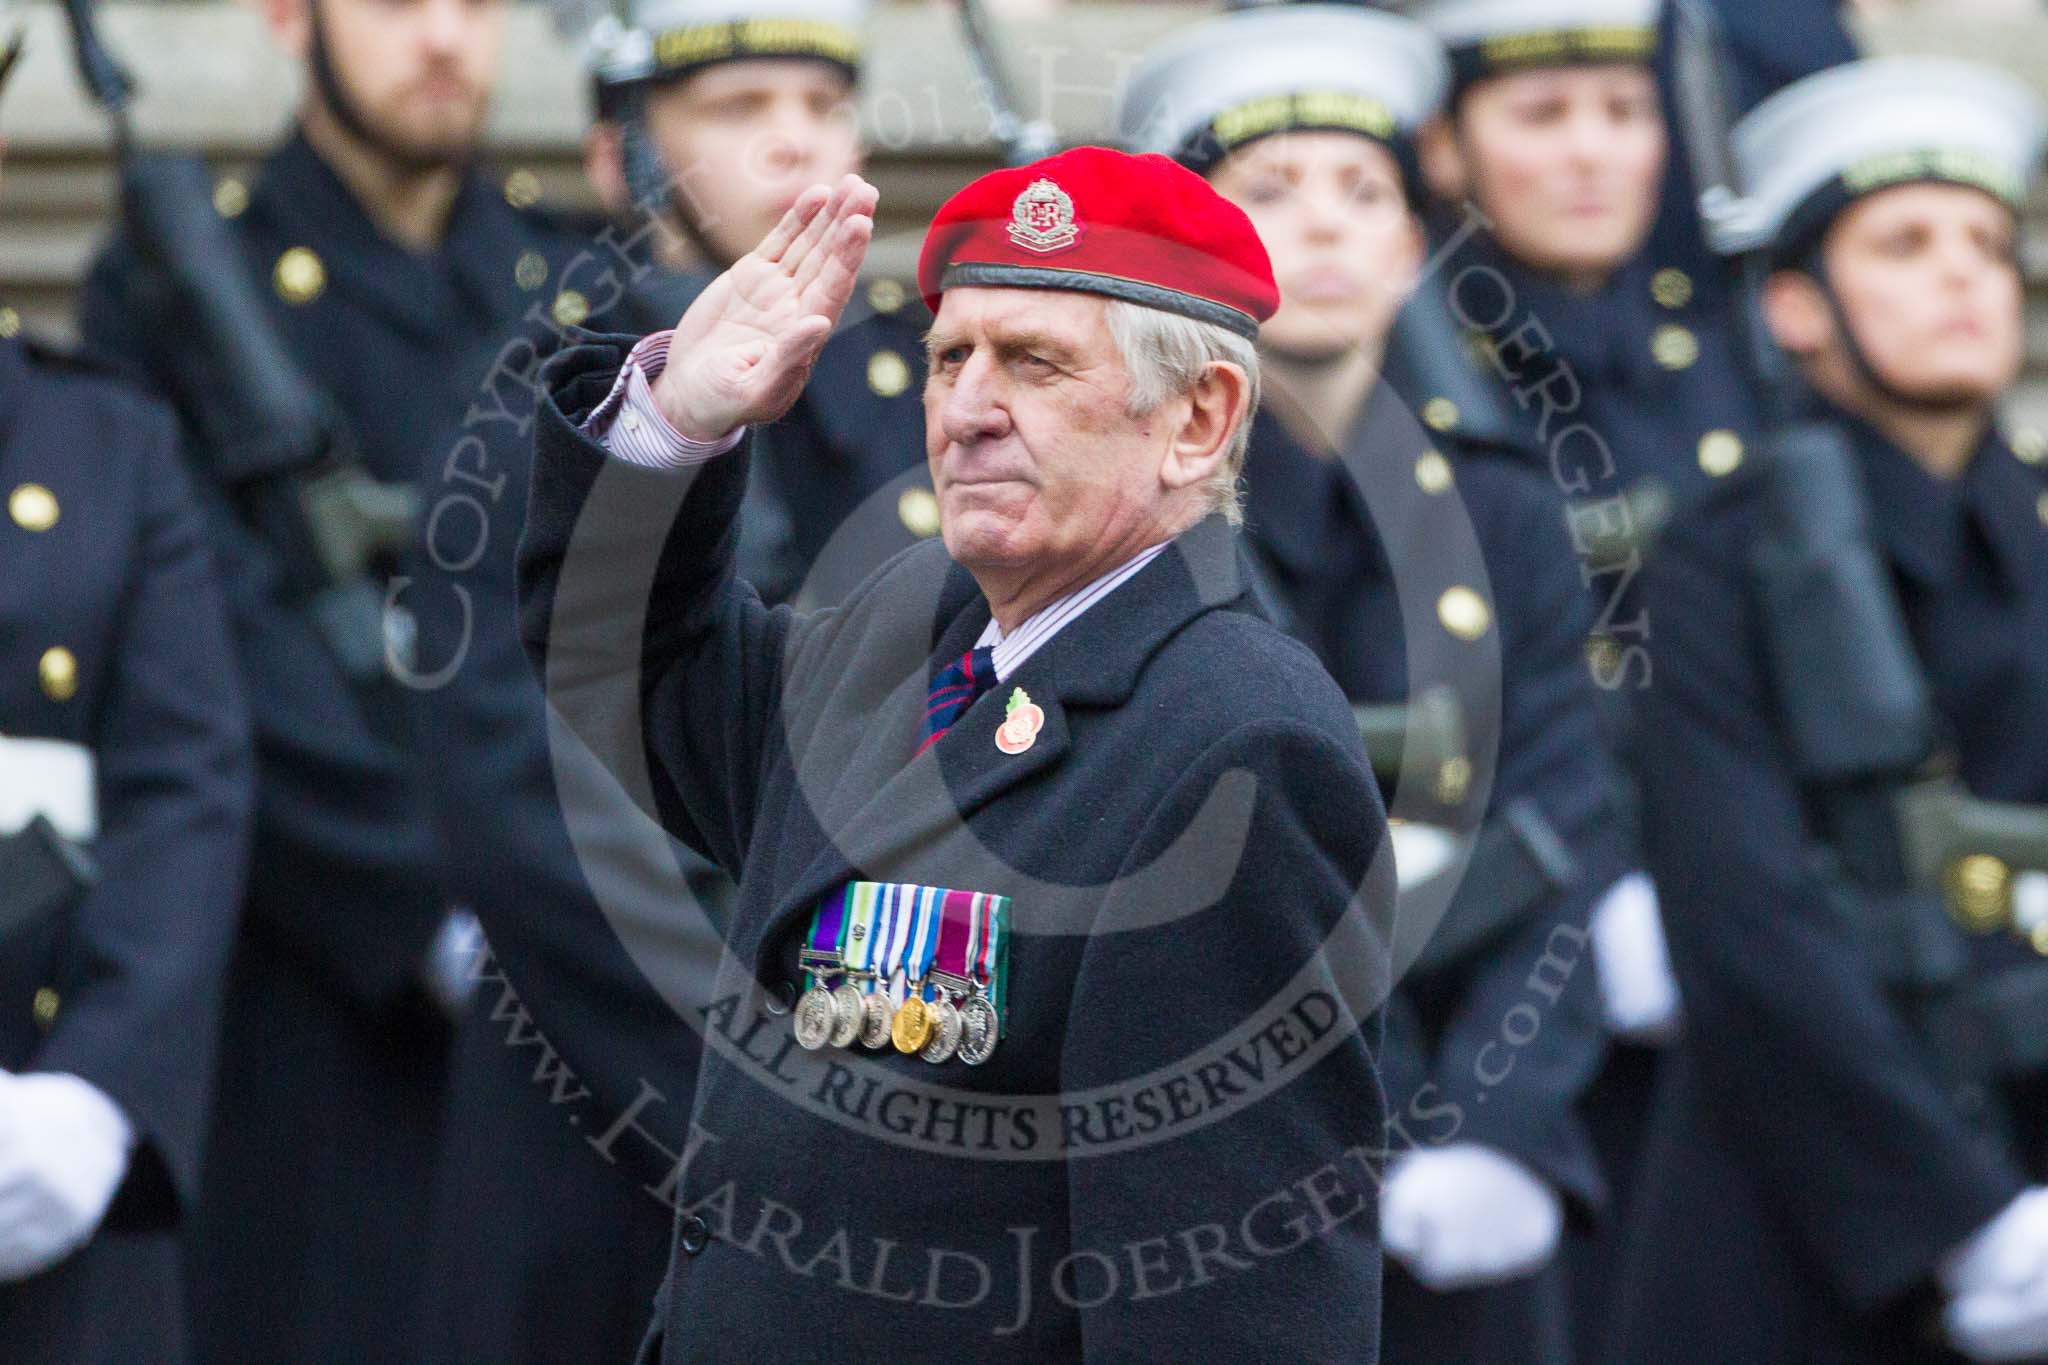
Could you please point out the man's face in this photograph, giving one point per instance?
(1035, 457)
(419, 73)
(743, 139)
(1929, 280)
(1329, 208)
(1567, 161)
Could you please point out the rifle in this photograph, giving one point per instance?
(1023, 140)
(1425, 735)
(43, 875)
(270, 439)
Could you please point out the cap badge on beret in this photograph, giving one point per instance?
(1042, 218)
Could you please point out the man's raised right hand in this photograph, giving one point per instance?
(743, 351)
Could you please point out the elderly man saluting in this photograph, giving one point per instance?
(1051, 988)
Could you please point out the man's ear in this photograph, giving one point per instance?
(1443, 161)
(604, 166)
(1216, 408)
(1798, 316)
(290, 23)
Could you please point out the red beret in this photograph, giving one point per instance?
(1140, 228)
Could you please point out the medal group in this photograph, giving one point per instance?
(918, 968)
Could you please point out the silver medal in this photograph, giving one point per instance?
(813, 1018)
(978, 1029)
(847, 1013)
(945, 1032)
(875, 1020)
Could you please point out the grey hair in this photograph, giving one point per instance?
(1166, 354)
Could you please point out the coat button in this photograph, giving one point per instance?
(1603, 657)
(1979, 887)
(44, 1007)
(1433, 473)
(694, 1234)
(530, 271)
(1453, 780)
(1671, 287)
(1440, 414)
(571, 308)
(33, 507)
(299, 276)
(1674, 347)
(886, 295)
(1720, 453)
(58, 672)
(781, 998)
(1464, 612)
(888, 374)
(230, 197)
(918, 510)
(522, 189)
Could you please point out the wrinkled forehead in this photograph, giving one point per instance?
(1000, 315)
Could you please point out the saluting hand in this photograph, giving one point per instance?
(742, 352)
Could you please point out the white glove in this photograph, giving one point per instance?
(1466, 1215)
(1638, 993)
(48, 777)
(1997, 1284)
(451, 966)
(63, 1149)
(1420, 851)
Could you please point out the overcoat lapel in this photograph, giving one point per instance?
(886, 807)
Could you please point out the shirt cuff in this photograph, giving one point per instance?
(630, 425)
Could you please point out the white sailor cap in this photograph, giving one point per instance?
(1211, 88)
(1807, 151)
(1494, 37)
(683, 35)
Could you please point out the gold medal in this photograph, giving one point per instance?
(912, 1027)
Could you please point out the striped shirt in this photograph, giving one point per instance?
(631, 427)
(1012, 649)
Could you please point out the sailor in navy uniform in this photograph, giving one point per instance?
(1851, 1132)
(1593, 300)
(394, 266)
(588, 1017)
(1409, 559)
(125, 799)
(1556, 132)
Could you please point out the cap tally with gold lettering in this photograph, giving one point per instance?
(1822, 142)
(1497, 37)
(1217, 85)
(1144, 229)
(684, 35)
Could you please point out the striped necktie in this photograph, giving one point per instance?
(955, 688)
